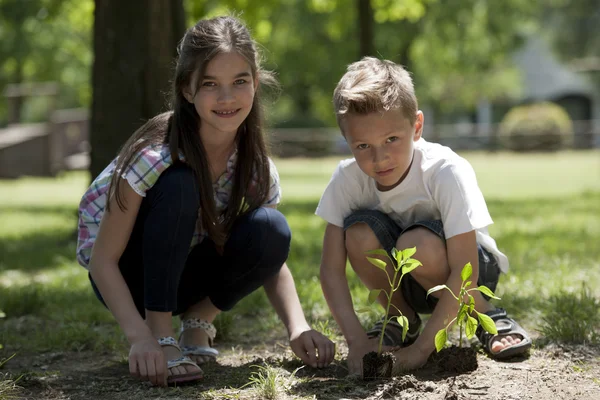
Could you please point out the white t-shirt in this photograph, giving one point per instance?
(440, 185)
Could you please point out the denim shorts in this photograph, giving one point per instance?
(388, 232)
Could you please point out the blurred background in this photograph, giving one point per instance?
(512, 85)
(77, 77)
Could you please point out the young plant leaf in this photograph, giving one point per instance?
(377, 252)
(462, 313)
(410, 265)
(466, 272)
(402, 320)
(373, 295)
(377, 262)
(408, 253)
(471, 327)
(487, 323)
(485, 290)
(440, 339)
(395, 254)
(471, 304)
(436, 288)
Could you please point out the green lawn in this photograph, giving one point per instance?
(546, 210)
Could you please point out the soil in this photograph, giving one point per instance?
(455, 359)
(377, 366)
(552, 372)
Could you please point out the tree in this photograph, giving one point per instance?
(45, 40)
(134, 47)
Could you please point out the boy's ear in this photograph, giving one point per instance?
(419, 121)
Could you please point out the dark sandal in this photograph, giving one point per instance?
(393, 332)
(506, 326)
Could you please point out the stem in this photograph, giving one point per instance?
(387, 310)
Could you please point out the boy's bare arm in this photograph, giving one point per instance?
(335, 285)
(461, 249)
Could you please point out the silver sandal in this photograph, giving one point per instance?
(211, 331)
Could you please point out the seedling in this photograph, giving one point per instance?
(403, 265)
(466, 306)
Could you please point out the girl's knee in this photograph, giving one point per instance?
(176, 189)
(360, 238)
(263, 233)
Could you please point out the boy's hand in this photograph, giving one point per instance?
(357, 351)
(409, 358)
(312, 347)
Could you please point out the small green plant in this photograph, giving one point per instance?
(269, 381)
(572, 318)
(403, 265)
(8, 387)
(466, 306)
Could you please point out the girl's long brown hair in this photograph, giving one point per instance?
(179, 128)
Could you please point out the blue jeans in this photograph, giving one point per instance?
(388, 232)
(164, 275)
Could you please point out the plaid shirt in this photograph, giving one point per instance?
(142, 174)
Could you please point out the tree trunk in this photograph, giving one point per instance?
(135, 43)
(365, 28)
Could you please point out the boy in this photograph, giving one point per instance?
(401, 191)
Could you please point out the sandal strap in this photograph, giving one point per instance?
(206, 326)
(181, 361)
(169, 341)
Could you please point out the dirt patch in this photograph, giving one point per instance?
(550, 373)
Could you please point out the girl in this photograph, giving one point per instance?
(183, 221)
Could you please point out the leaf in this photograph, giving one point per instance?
(487, 323)
(471, 304)
(468, 284)
(402, 320)
(408, 253)
(377, 262)
(440, 339)
(436, 288)
(395, 255)
(378, 252)
(410, 265)
(466, 272)
(2, 314)
(363, 310)
(471, 327)
(373, 295)
(486, 290)
(462, 313)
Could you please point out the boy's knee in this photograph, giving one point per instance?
(431, 249)
(360, 238)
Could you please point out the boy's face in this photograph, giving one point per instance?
(382, 144)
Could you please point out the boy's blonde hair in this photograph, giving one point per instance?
(374, 85)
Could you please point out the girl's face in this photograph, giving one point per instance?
(223, 99)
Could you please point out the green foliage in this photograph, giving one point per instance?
(9, 389)
(466, 307)
(47, 40)
(572, 318)
(402, 264)
(270, 382)
(536, 127)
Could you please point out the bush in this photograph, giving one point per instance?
(536, 127)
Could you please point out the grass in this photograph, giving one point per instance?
(546, 210)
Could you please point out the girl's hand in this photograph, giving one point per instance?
(312, 347)
(147, 361)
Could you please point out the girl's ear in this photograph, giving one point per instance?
(188, 95)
